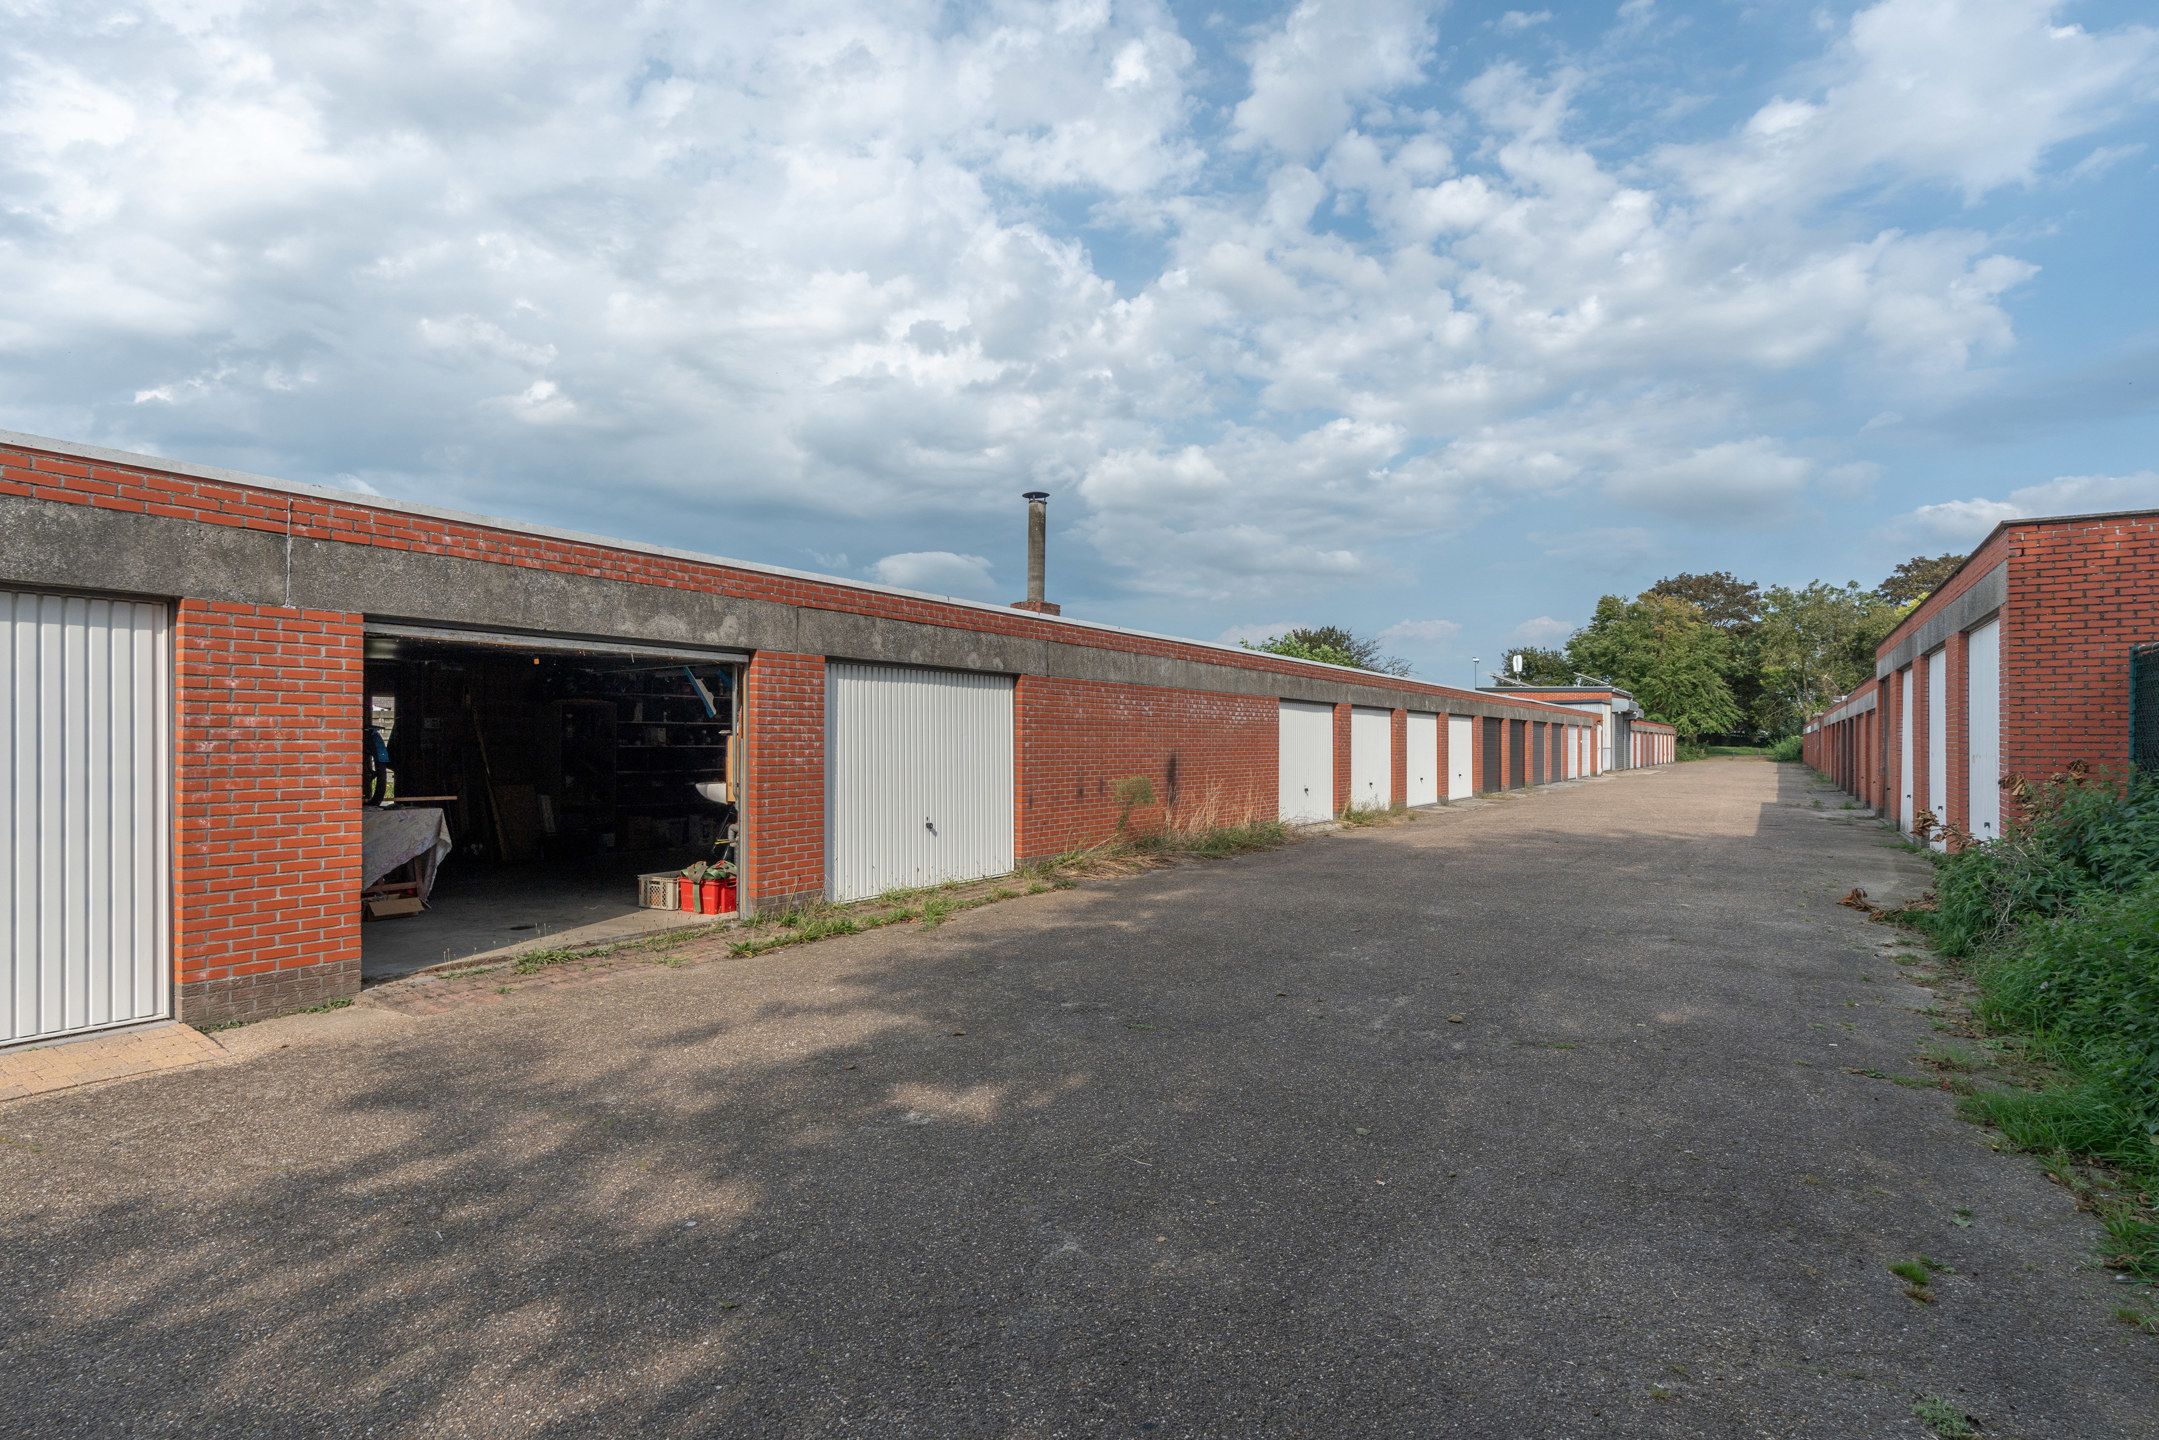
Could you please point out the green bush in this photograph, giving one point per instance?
(2060, 920)
(2084, 986)
(1787, 750)
(2085, 835)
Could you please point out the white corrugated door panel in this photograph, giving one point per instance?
(918, 777)
(1938, 742)
(1460, 784)
(1371, 758)
(1305, 761)
(84, 777)
(1904, 750)
(1983, 729)
(1423, 758)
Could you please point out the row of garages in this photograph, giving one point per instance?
(2015, 670)
(195, 667)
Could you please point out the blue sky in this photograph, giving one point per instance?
(1435, 321)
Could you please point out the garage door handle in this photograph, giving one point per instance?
(930, 825)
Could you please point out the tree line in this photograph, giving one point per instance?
(1714, 656)
(1720, 658)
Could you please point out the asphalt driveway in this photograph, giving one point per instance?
(1529, 1118)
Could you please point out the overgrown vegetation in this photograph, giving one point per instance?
(2058, 927)
(1787, 749)
(1356, 817)
(932, 907)
(1695, 750)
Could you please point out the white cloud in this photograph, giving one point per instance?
(1734, 478)
(1967, 93)
(2101, 159)
(1599, 549)
(1543, 630)
(1421, 636)
(1516, 21)
(1966, 522)
(821, 280)
(938, 571)
(1327, 55)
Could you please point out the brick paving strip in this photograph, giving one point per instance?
(113, 1055)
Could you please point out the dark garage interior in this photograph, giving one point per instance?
(562, 771)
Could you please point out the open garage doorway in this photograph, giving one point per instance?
(539, 791)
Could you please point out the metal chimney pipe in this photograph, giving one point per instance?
(1038, 527)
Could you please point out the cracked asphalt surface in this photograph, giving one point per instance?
(1533, 1117)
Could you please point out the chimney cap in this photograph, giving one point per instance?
(1035, 495)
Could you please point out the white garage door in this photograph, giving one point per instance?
(1983, 719)
(1371, 758)
(1306, 761)
(918, 777)
(83, 788)
(1459, 730)
(1423, 759)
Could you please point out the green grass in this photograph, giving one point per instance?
(1356, 817)
(1691, 750)
(1918, 1270)
(1943, 1418)
(2057, 928)
(1219, 841)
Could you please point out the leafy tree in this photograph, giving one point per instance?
(1671, 658)
(1333, 645)
(1734, 606)
(1541, 666)
(1917, 578)
(1726, 601)
(1815, 644)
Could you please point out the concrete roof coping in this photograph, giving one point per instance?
(370, 499)
(1554, 690)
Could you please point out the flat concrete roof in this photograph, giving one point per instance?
(104, 455)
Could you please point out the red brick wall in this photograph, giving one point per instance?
(270, 706)
(1341, 758)
(783, 825)
(1398, 755)
(2080, 594)
(1211, 758)
(266, 808)
(1953, 808)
